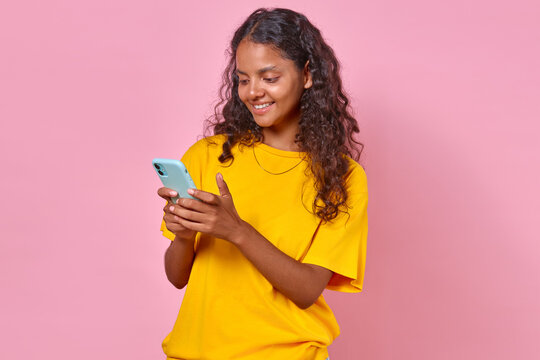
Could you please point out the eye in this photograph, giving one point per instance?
(242, 82)
(272, 80)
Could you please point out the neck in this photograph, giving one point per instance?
(283, 138)
(281, 143)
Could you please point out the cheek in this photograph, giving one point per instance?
(285, 91)
(279, 93)
(242, 95)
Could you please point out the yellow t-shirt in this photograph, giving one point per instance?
(230, 310)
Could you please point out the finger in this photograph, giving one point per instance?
(207, 197)
(193, 225)
(222, 186)
(189, 204)
(173, 220)
(166, 193)
(194, 205)
(167, 207)
(188, 214)
(176, 227)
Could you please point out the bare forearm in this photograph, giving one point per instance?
(289, 276)
(179, 260)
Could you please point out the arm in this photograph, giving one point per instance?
(301, 283)
(179, 260)
(216, 215)
(180, 253)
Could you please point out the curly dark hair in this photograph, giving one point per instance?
(326, 126)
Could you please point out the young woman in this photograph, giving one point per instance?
(283, 207)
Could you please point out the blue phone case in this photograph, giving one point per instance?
(174, 175)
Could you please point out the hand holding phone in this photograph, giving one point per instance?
(174, 175)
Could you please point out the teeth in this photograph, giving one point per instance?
(262, 106)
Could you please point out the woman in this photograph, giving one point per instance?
(282, 207)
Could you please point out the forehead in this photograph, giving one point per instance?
(251, 57)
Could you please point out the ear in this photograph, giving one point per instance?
(307, 76)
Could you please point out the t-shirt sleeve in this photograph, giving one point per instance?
(193, 159)
(340, 245)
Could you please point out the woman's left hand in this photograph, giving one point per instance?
(214, 214)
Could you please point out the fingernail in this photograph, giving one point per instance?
(172, 193)
(220, 176)
(191, 191)
(171, 208)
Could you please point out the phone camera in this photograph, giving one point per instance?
(160, 172)
(157, 166)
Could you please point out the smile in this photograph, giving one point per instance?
(263, 108)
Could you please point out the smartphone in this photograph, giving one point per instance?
(174, 175)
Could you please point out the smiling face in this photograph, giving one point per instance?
(267, 79)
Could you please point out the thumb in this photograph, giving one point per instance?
(222, 186)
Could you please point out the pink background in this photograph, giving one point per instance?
(447, 98)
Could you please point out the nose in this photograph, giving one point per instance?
(255, 90)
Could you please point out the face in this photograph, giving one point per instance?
(268, 79)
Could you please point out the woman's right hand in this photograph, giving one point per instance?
(171, 220)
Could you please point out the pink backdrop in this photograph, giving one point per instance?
(447, 98)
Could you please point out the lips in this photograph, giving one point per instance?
(264, 110)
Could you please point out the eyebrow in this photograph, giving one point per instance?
(260, 71)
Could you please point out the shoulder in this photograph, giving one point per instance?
(206, 145)
(201, 156)
(210, 141)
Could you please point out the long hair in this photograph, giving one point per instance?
(326, 126)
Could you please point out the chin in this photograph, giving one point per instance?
(264, 122)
